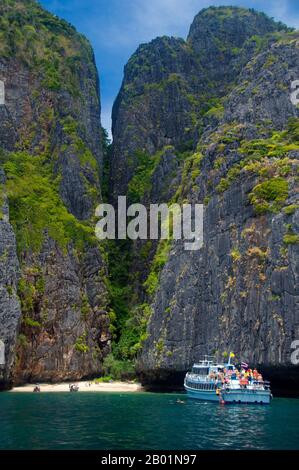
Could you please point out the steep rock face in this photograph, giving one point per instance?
(159, 82)
(171, 87)
(10, 309)
(262, 95)
(240, 291)
(66, 335)
(218, 36)
(51, 153)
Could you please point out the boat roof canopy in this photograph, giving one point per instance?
(204, 364)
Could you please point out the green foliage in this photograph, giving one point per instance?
(231, 176)
(145, 250)
(278, 145)
(130, 323)
(105, 379)
(216, 111)
(22, 341)
(158, 263)
(271, 59)
(292, 132)
(10, 290)
(133, 332)
(119, 285)
(219, 163)
(291, 239)
(50, 47)
(191, 171)
(160, 346)
(118, 370)
(235, 254)
(71, 127)
(81, 345)
(140, 184)
(30, 292)
(291, 209)
(85, 306)
(270, 159)
(31, 323)
(36, 209)
(269, 195)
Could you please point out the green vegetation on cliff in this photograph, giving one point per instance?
(188, 94)
(36, 208)
(34, 36)
(51, 166)
(177, 138)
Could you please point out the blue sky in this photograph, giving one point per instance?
(116, 28)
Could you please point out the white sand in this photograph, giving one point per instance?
(84, 386)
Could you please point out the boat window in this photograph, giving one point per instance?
(200, 370)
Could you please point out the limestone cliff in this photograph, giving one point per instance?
(204, 120)
(170, 85)
(53, 307)
(221, 99)
(10, 310)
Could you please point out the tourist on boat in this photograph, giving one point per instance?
(243, 382)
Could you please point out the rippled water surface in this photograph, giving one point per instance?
(143, 421)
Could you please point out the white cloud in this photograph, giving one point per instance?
(281, 11)
(147, 20)
(142, 21)
(117, 32)
(159, 17)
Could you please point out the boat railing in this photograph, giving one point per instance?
(254, 385)
(200, 378)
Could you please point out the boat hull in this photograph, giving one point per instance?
(206, 395)
(223, 383)
(254, 397)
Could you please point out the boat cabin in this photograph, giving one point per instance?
(204, 368)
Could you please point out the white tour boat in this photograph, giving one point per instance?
(224, 383)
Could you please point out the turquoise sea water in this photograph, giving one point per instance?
(143, 421)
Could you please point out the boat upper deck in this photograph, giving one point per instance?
(208, 373)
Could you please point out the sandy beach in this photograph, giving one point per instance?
(84, 386)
